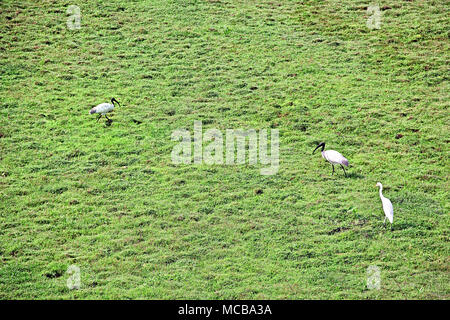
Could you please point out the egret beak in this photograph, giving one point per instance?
(320, 145)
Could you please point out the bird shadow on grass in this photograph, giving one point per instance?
(415, 227)
(352, 175)
(394, 227)
(355, 175)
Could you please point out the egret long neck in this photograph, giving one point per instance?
(381, 189)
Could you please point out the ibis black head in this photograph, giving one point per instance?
(322, 144)
(114, 100)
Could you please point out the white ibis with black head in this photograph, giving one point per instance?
(333, 157)
(387, 206)
(104, 108)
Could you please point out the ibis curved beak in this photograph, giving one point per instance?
(320, 145)
(114, 100)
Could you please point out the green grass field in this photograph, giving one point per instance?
(109, 200)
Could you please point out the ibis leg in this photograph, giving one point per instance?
(333, 169)
(107, 117)
(98, 118)
(344, 170)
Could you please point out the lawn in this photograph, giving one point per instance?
(109, 200)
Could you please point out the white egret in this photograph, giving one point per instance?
(333, 157)
(104, 108)
(387, 206)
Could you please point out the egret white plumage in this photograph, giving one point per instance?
(104, 108)
(333, 157)
(387, 206)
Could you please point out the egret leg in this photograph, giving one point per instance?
(98, 118)
(333, 169)
(344, 170)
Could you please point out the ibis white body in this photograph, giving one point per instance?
(334, 157)
(387, 206)
(102, 108)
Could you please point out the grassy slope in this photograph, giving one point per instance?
(108, 199)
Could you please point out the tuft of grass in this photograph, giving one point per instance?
(109, 200)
